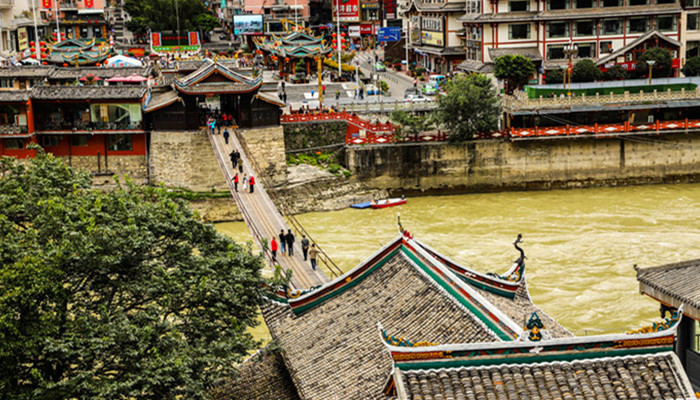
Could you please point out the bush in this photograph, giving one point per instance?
(586, 71)
(615, 73)
(420, 71)
(692, 66)
(554, 76)
(345, 67)
(514, 70)
(334, 168)
(384, 86)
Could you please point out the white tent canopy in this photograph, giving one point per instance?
(123, 61)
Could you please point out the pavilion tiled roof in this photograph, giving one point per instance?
(72, 73)
(332, 350)
(262, 377)
(92, 92)
(159, 98)
(673, 284)
(652, 376)
(234, 81)
(26, 72)
(14, 95)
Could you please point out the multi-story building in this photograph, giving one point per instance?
(17, 24)
(77, 19)
(606, 31)
(434, 36)
(274, 11)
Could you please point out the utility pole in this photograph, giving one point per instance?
(177, 16)
(337, 13)
(36, 33)
(58, 29)
(320, 80)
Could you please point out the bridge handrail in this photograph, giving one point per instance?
(284, 210)
(604, 129)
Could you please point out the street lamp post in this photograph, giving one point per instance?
(570, 50)
(651, 65)
(564, 71)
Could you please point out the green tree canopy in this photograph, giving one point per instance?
(160, 16)
(554, 76)
(586, 71)
(662, 67)
(515, 70)
(470, 106)
(411, 123)
(615, 73)
(692, 66)
(119, 295)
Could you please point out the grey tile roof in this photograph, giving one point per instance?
(633, 377)
(674, 284)
(532, 52)
(554, 15)
(14, 95)
(161, 97)
(92, 92)
(71, 73)
(26, 72)
(476, 66)
(261, 377)
(332, 350)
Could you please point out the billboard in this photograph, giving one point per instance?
(414, 28)
(247, 24)
(22, 38)
(390, 9)
(346, 10)
(432, 38)
(432, 31)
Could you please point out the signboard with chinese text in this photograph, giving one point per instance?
(89, 3)
(346, 10)
(47, 4)
(367, 29)
(354, 31)
(389, 34)
(432, 31)
(22, 38)
(390, 9)
(415, 30)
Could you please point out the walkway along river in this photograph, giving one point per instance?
(581, 244)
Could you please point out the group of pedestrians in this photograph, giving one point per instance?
(286, 243)
(248, 182)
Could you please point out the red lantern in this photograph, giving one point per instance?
(44, 63)
(33, 56)
(334, 34)
(65, 65)
(335, 47)
(334, 41)
(286, 59)
(342, 34)
(43, 56)
(31, 43)
(42, 43)
(97, 64)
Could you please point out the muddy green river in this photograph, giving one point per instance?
(581, 245)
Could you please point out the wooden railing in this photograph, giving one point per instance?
(522, 102)
(603, 130)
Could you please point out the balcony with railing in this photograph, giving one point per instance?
(13, 129)
(80, 126)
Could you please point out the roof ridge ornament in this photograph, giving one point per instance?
(534, 330)
(666, 324)
(404, 233)
(402, 341)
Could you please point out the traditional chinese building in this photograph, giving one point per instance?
(409, 323)
(676, 287)
(298, 46)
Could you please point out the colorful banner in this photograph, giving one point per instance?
(47, 4)
(155, 39)
(346, 10)
(367, 29)
(22, 38)
(193, 38)
(433, 38)
(89, 3)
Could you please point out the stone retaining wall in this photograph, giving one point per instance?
(492, 165)
(266, 146)
(135, 167)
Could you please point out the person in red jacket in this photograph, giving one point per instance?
(273, 248)
(251, 183)
(235, 182)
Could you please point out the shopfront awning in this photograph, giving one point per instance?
(91, 11)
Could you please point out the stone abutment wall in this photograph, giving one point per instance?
(266, 147)
(545, 164)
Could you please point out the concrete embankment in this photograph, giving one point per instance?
(495, 165)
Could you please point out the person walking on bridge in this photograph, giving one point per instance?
(304, 246)
(251, 183)
(313, 253)
(290, 242)
(273, 248)
(226, 134)
(235, 182)
(283, 240)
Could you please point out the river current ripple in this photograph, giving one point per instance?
(580, 244)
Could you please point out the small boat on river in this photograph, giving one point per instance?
(388, 203)
(366, 204)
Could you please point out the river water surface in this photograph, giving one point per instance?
(581, 245)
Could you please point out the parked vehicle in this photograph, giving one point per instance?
(416, 98)
(434, 85)
(379, 67)
(371, 90)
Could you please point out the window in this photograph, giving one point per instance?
(79, 140)
(557, 4)
(473, 7)
(519, 6)
(583, 3)
(693, 19)
(584, 28)
(50, 141)
(586, 50)
(555, 52)
(519, 31)
(606, 47)
(120, 143)
(637, 2)
(692, 48)
(611, 3)
(638, 25)
(692, 3)
(557, 29)
(97, 32)
(665, 23)
(695, 336)
(611, 27)
(14, 144)
(5, 83)
(665, 1)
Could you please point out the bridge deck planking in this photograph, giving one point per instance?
(262, 216)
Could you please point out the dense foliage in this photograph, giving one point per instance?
(114, 295)
(554, 76)
(160, 16)
(662, 67)
(514, 70)
(411, 123)
(470, 106)
(586, 71)
(615, 73)
(691, 66)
